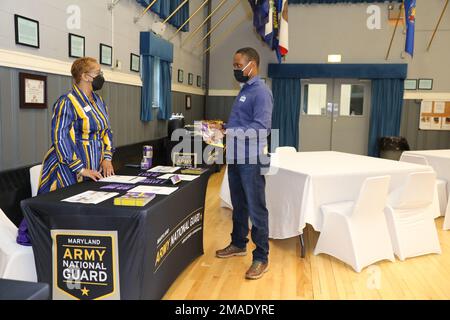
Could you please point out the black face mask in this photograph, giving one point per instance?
(239, 75)
(97, 83)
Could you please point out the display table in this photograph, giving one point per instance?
(103, 251)
(303, 181)
(22, 290)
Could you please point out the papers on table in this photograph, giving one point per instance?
(183, 177)
(154, 189)
(91, 197)
(122, 179)
(164, 169)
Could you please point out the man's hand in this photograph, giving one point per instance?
(93, 174)
(106, 168)
(219, 134)
(216, 125)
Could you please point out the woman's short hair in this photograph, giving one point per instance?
(80, 66)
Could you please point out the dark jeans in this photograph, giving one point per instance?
(247, 187)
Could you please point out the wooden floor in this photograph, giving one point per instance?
(314, 277)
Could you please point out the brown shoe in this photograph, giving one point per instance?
(257, 270)
(231, 251)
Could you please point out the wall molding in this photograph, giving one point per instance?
(223, 93)
(22, 60)
(420, 95)
(187, 89)
(27, 61)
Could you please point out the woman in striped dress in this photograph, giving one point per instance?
(81, 136)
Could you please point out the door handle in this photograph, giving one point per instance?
(335, 108)
(329, 108)
(335, 111)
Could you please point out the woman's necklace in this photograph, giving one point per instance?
(91, 99)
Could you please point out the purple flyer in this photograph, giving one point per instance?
(117, 187)
(153, 181)
(150, 174)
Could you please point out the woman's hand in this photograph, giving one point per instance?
(93, 174)
(106, 168)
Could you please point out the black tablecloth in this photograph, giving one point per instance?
(22, 290)
(155, 243)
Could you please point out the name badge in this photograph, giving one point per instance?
(243, 98)
(87, 108)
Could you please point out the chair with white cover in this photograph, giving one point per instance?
(356, 232)
(35, 173)
(409, 217)
(283, 150)
(16, 261)
(440, 183)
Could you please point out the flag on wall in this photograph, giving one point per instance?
(284, 29)
(260, 15)
(270, 19)
(410, 21)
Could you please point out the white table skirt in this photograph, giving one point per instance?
(306, 180)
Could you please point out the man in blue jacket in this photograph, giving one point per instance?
(247, 131)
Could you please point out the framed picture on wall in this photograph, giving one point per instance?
(188, 102)
(76, 46)
(105, 54)
(411, 84)
(32, 90)
(27, 31)
(199, 81)
(135, 62)
(190, 79)
(180, 76)
(425, 84)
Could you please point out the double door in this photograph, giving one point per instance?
(335, 115)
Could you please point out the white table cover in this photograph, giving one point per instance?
(307, 180)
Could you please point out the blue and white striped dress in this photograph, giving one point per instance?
(81, 138)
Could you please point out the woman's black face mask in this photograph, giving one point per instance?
(97, 82)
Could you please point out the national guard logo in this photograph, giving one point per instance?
(171, 239)
(85, 265)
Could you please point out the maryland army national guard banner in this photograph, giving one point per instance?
(85, 264)
(104, 251)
